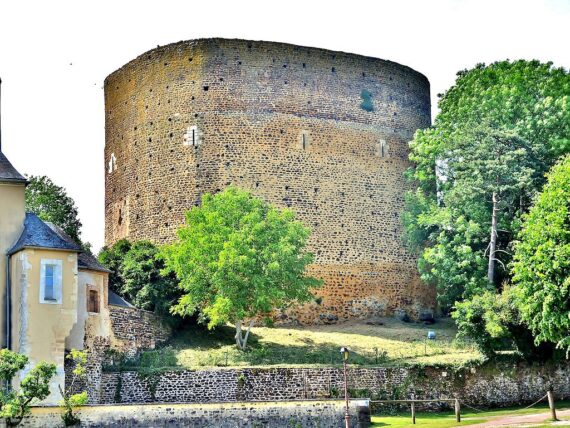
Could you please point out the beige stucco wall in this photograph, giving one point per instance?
(12, 215)
(39, 329)
(98, 323)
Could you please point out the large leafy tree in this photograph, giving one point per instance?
(112, 257)
(237, 258)
(542, 261)
(144, 282)
(51, 202)
(137, 275)
(499, 129)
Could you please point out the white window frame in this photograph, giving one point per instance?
(57, 281)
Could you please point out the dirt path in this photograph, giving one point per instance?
(515, 420)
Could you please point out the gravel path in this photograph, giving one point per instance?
(513, 421)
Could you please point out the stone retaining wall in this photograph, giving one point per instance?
(322, 414)
(482, 386)
(127, 331)
(137, 329)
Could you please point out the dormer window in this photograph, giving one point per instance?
(112, 166)
(51, 281)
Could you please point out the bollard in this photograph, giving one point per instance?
(457, 411)
(413, 413)
(550, 395)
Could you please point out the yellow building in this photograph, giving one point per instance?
(52, 291)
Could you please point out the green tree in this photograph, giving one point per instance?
(14, 405)
(237, 258)
(541, 265)
(137, 275)
(51, 202)
(493, 321)
(112, 258)
(71, 399)
(144, 282)
(499, 129)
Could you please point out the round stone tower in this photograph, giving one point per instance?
(324, 133)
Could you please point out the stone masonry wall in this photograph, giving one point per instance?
(130, 331)
(286, 123)
(481, 386)
(309, 414)
(135, 329)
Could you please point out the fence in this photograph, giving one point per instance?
(457, 405)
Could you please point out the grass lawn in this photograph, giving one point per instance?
(447, 419)
(393, 342)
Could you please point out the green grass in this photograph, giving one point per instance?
(447, 419)
(393, 343)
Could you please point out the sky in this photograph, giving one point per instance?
(55, 55)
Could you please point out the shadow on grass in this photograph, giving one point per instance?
(216, 349)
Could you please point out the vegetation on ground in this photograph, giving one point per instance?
(403, 419)
(137, 276)
(478, 168)
(542, 261)
(72, 399)
(15, 404)
(391, 344)
(237, 258)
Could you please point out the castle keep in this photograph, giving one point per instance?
(322, 132)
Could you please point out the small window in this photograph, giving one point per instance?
(93, 301)
(304, 140)
(191, 138)
(112, 163)
(50, 281)
(382, 149)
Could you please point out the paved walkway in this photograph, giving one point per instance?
(510, 421)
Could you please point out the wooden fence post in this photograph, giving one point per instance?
(550, 395)
(457, 411)
(413, 413)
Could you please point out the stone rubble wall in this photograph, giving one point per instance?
(135, 329)
(477, 386)
(308, 414)
(130, 331)
(287, 124)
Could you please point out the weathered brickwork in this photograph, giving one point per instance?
(307, 414)
(135, 329)
(130, 330)
(482, 386)
(286, 123)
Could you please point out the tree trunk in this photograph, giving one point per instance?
(241, 340)
(493, 244)
(238, 334)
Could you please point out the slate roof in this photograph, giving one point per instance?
(8, 172)
(116, 300)
(40, 234)
(89, 262)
